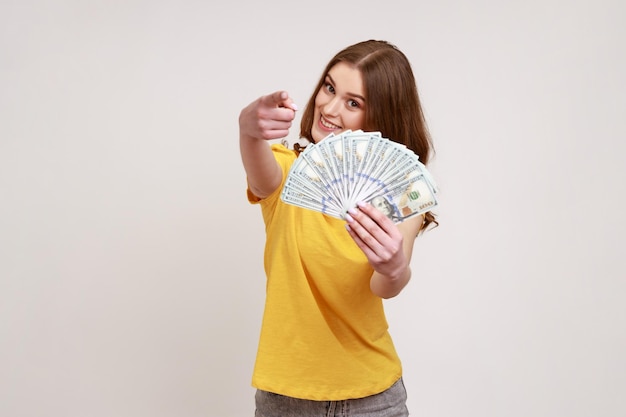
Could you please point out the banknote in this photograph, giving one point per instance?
(331, 176)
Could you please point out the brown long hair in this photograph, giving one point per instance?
(393, 105)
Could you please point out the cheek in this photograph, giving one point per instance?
(320, 98)
(354, 121)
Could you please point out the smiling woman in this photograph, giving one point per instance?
(340, 103)
(324, 341)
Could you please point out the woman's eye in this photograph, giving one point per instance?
(353, 103)
(330, 88)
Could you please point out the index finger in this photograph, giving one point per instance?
(280, 99)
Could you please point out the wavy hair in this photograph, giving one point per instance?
(393, 105)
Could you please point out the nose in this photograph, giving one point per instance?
(332, 107)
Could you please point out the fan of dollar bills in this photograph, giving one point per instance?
(334, 174)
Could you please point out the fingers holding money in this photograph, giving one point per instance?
(378, 238)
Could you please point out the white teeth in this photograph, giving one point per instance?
(328, 125)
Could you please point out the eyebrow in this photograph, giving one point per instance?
(350, 94)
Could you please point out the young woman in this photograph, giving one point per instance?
(324, 347)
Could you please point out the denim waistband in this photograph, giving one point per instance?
(389, 403)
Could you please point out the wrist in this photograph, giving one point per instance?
(387, 286)
(403, 274)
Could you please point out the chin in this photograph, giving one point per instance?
(318, 136)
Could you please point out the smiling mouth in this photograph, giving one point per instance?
(327, 124)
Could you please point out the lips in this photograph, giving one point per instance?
(328, 125)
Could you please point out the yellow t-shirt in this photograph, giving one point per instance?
(324, 333)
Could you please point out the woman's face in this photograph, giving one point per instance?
(340, 103)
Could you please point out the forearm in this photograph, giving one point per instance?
(386, 286)
(266, 118)
(262, 170)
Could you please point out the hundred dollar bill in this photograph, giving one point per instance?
(316, 156)
(371, 156)
(314, 190)
(305, 180)
(358, 147)
(388, 159)
(405, 199)
(297, 193)
(304, 201)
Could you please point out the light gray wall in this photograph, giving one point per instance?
(131, 276)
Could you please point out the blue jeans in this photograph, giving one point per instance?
(389, 403)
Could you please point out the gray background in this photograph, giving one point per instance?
(131, 278)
